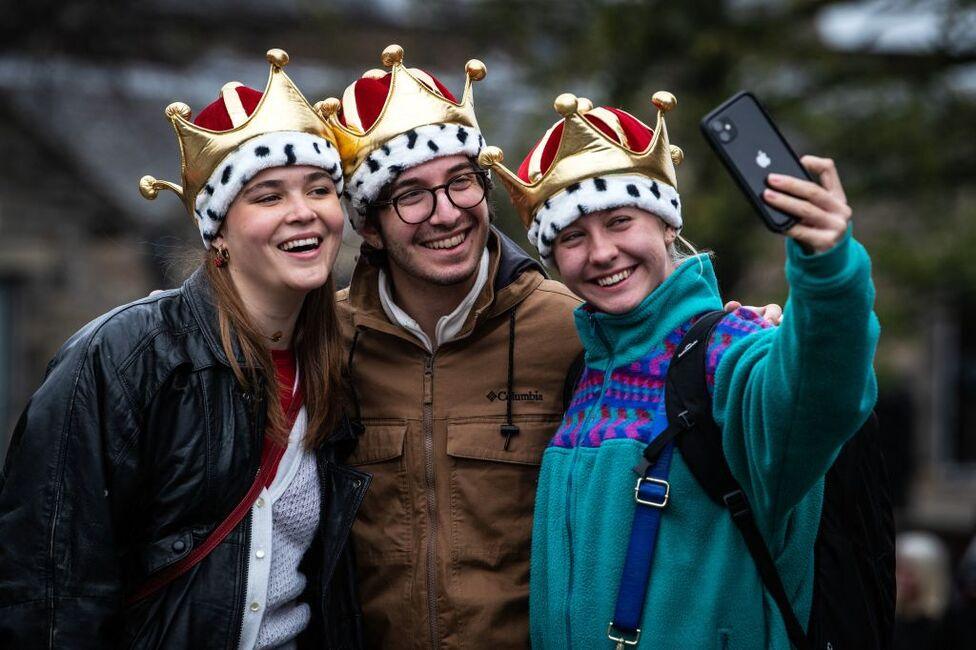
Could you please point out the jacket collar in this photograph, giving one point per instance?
(512, 262)
(512, 275)
(617, 339)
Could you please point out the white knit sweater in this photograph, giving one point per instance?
(283, 523)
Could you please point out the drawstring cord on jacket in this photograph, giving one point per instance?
(509, 429)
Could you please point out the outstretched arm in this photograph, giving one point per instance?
(788, 398)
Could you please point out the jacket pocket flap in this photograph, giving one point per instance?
(164, 552)
(485, 441)
(379, 442)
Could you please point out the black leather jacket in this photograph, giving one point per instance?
(138, 443)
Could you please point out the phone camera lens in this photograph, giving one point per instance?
(724, 128)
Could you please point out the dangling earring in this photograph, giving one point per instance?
(221, 258)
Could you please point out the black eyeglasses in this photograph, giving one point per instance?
(417, 205)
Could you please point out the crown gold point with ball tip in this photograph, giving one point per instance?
(584, 151)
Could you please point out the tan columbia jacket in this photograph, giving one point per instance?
(442, 539)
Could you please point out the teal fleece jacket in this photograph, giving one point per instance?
(786, 398)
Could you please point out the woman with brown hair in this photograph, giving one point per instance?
(173, 482)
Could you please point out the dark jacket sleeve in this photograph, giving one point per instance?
(59, 573)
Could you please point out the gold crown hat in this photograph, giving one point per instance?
(389, 121)
(594, 158)
(243, 132)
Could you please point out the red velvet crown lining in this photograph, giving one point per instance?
(215, 116)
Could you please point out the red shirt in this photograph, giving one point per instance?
(286, 368)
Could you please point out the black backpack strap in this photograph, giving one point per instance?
(573, 376)
(700, 442)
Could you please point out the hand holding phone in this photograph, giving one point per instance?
(779, 186)
(821, 210)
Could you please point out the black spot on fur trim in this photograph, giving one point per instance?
(214, 216)
(432, 145)
(632, 190)
(225, 175)
(557, 229)
(674, 202)
(332, 169)
(411, 138)
(572, 188)
(290, 154)
(359, 183)
(481, 141)
(395, 169)
(386, 149)
(600, 184)
(261, 151)
(546, 204)
(655, 190)
(580, 209)
(537, 220)
(372, 164)
(442, 126)
(315, 145)
(208, 188)
(462, 134)
(199, 215)
(547, 241)
(209, 236)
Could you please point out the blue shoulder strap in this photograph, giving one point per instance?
(652, 493)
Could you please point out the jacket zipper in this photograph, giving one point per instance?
(587, 422)
(245, 564)
(428, 428)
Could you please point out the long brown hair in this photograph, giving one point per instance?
(315, 343)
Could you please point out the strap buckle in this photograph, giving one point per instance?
(653, 481)
(737, 503)
(622, 640)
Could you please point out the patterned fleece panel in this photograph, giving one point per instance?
(633, 405)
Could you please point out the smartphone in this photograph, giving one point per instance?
(751, 147)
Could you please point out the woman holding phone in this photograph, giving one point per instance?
(599, 196)
(173, 482)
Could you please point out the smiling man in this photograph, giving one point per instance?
(458, 350)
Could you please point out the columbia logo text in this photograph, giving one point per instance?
(505, 396)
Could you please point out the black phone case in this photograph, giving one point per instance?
(755, 150)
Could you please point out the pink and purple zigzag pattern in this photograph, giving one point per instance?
(633, 404)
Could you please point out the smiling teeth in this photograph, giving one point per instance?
(445, 243)
(616, 278)
(296, 243)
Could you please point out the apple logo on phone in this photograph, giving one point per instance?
(762, 159)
